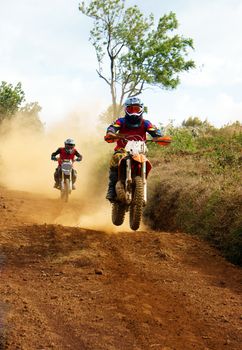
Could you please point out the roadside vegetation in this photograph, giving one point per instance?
(195, 185)
(14, 112)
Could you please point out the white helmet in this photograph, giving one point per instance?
(134, 109)
(69, 145)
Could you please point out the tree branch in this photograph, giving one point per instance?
(117, 53)
(101, 76)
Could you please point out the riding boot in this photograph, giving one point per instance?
(113, 178)
(57, 179)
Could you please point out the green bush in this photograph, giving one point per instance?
(195, 187)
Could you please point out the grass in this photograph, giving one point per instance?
(195, 187)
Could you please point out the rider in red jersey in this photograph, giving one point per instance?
(67, 152)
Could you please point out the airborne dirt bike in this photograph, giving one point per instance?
(131, 187)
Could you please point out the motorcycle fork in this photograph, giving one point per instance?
(144, 179)
(128, 181)
(62, 180)
(70, 182)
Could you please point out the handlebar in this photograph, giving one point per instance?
(161, 140)
(111, 137)
(66, 160)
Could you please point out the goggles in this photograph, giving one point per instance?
(69, 146)
(135, 109)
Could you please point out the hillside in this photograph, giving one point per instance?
(195, 186)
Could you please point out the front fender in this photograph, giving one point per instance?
(138, 160)
(141, 158)
(148, 167)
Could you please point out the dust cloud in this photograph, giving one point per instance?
(25, 152)
(26, 166)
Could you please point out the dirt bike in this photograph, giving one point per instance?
(65, 178)
(131, 187)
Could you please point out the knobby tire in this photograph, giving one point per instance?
(135, 211)
(118, 213)
(66, 189)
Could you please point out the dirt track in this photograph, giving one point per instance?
(73, 288)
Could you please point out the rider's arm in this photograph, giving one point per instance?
(54, 154)
(152, 129)
(157, 135)
(114, 127)
(112, 131)
(78, 156)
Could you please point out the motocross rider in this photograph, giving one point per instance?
(66, 152)
(133, 126)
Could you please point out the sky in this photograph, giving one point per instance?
(44, 44)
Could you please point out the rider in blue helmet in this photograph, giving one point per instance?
(132, 125)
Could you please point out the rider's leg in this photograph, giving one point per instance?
(113, 178)
(57, 178)
(113, 173)
(74, 174)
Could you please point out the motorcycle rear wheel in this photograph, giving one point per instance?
(118, 213)
(135, 210)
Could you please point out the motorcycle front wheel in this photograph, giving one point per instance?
(118, 213)
(135, 210)
(65, 190)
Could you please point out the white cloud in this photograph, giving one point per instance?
(216, 28)
(228, 108)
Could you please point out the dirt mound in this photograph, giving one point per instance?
(74, 288)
